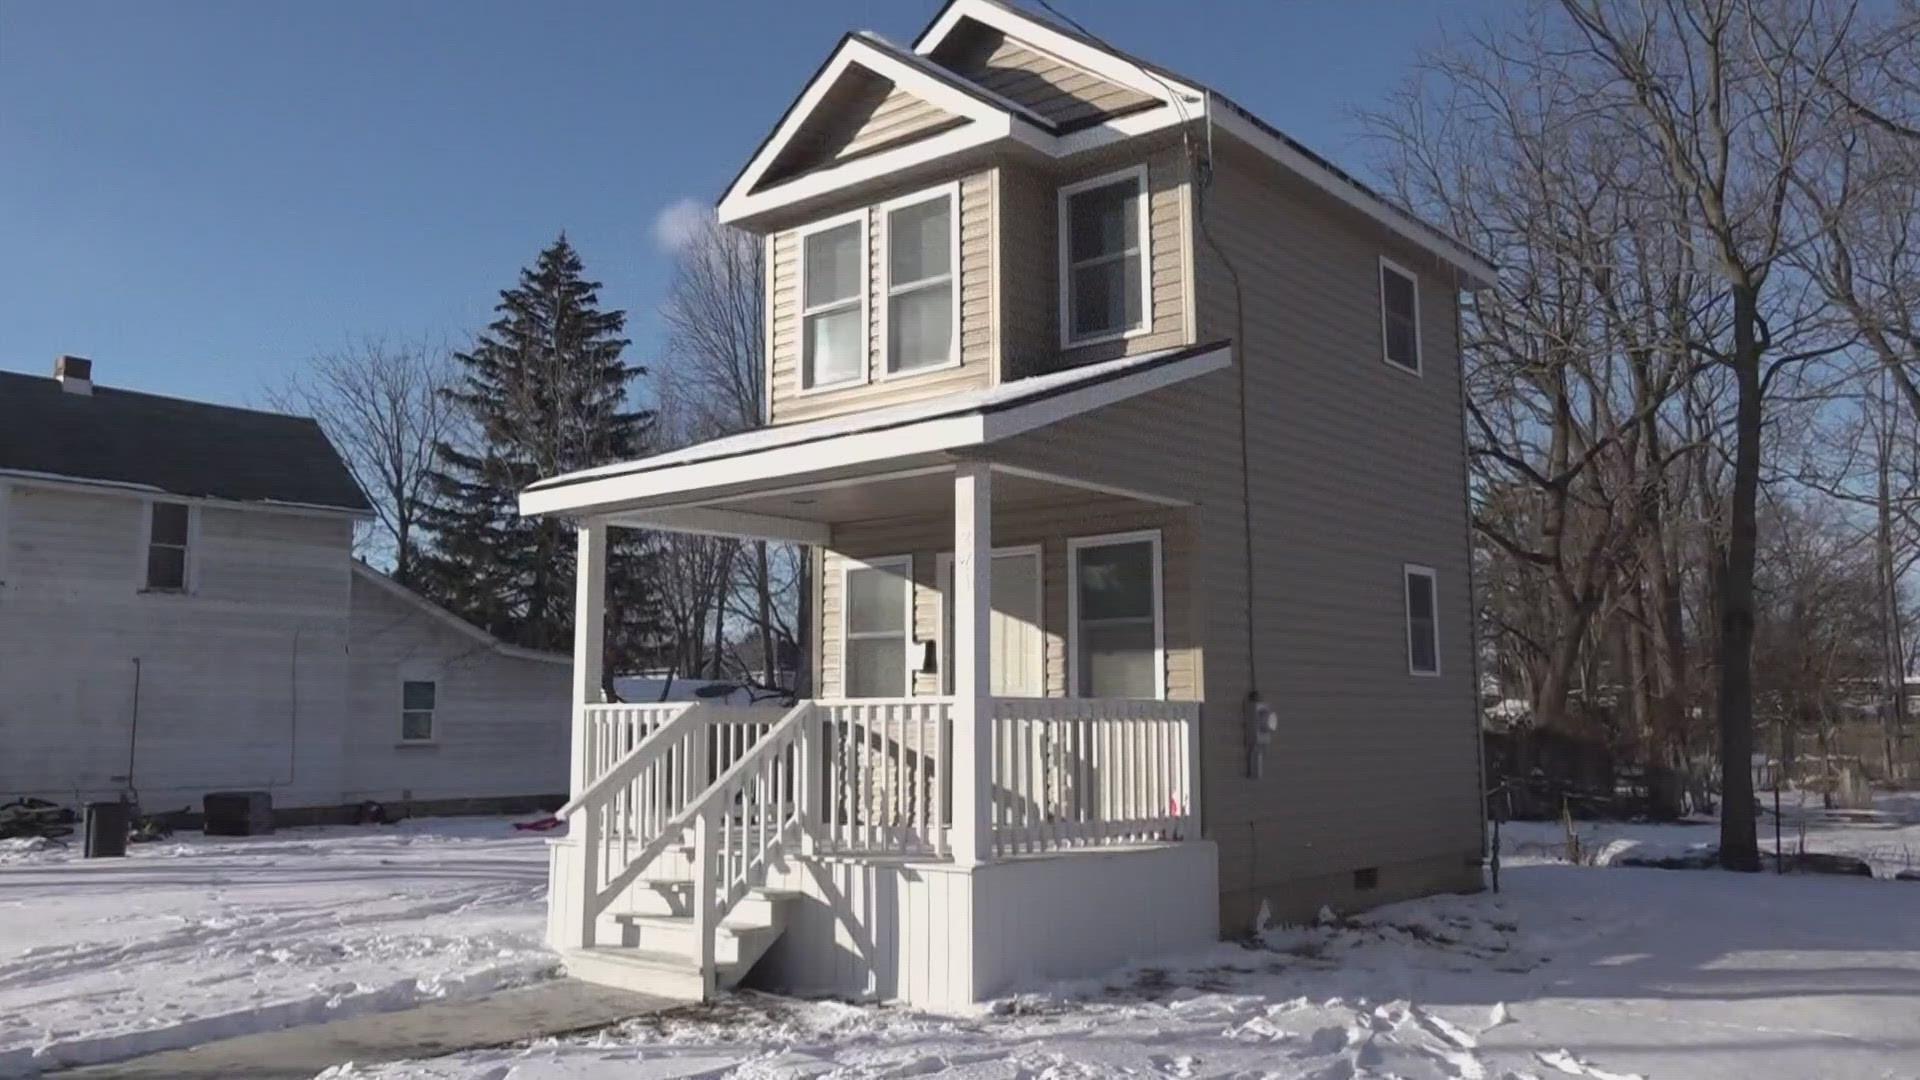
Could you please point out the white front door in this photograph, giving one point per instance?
(1019, 646)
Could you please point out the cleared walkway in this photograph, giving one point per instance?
(558, 1007)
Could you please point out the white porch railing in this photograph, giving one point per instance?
(1081, 772)
(882, 776)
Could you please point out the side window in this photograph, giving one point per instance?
(1423, 622)
(1400, 316)
(1104, 256)
(921, 263)
(876, 617)
(417, 698)
(167, 547)
(833, 305)
(1114, 609)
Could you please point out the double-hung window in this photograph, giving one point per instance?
(1423, 621)
(416, 709)
(877, 613)
(922, 301)
(167, 547)
(833, 310)
(1114, 616)
(1104, 258)
(1400, 317)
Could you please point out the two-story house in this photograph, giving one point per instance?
(181, 613)
(1127, 436)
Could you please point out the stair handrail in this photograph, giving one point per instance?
(633, 761)
(704, 814)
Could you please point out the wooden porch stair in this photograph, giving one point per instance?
(659, 949)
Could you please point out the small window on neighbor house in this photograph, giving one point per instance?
(833, 326)
(167, 547)
(1400, 316)
(920, 283)
(416, 710)
(1423, 623)
(1103, 257)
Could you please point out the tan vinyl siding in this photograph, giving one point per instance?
(790, 404)
(1050, 527)
(1357, 469)
(900, 117)
(1059, 91)
(1030, 215)
(862, 114)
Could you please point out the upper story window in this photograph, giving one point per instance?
(1423, 621)
(167, 547)
(1104, 258)
(923, 251)
(1400, 316)
(833, 299)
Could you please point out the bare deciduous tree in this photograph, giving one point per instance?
(382, 406)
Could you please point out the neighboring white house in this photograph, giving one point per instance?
(181, 612)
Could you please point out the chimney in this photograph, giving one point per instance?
(75, 374)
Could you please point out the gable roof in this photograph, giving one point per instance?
(169, 445)
(1154, 98)
(363, 572)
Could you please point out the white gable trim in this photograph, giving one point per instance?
(1046, 38)
(993, 123)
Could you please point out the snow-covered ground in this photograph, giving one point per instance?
(199, 938)
(1886, 837)
(1571, 971)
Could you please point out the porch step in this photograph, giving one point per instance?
(659, 953)
(760, 907)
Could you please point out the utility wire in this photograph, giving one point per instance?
(1200, 178)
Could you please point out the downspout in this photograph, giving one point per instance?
(1473, 590)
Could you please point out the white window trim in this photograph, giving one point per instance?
(1074, 546)
(878, 562)
(943, 584)
(950, 192)
(862, 297)
(1413, 570)
(189, 576)
(1064, 242)
(433, 719)
(1418, 370)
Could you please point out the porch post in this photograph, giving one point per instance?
(972, 653)
(589, 639)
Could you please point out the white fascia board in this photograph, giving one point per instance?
(742, 202)
(855, 50)
(1449, 251)
(31, 478)
(712, 521)
(1015, 421)
(1048, 39)
(774, 463)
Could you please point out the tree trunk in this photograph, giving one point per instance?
(1739, 843)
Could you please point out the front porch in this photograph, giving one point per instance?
(996, 787)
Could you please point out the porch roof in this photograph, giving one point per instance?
(865, 442)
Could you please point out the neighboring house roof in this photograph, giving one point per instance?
(934, 425)
(168, 445)
(1171, 99)
(393, 588)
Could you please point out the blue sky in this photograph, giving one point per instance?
(200, 195)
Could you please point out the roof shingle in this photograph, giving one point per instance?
(188, 448)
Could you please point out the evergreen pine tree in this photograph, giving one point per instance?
(545, 392)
